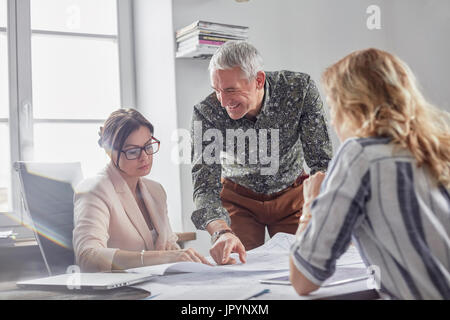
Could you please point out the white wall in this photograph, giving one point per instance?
(306, 36)
(155, 90)
(296, 35)
(419, 32)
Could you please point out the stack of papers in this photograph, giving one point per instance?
(6, 234)
(273, 256)
(256, 262)
(190, 280)
(202, 38)
(7, 238)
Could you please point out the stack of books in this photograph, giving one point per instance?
(7, 238)
(202, 38)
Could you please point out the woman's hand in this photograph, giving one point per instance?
(311, 189)
(186, 255)
(172, 246)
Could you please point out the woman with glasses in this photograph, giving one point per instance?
(121, 218)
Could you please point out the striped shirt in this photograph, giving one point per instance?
(394, 212)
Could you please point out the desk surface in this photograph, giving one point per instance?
(26, 262)
(23, 263)
(22, 260)
(242, 285)
(31, 241)
(9, 291)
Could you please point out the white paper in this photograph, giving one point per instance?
(261, 261)
(232, 286)
(346, 274)
(341, 275)
(177, 267)
(272, 256)
(280, 242)
(229, 285)
(6, 234)
(240, 281)
(351, 256)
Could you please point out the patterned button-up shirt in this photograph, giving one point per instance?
(265, 155)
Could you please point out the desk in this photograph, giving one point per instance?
(9, 291)
(243, 281)
(351, 291)
(241, 285)
(28, 264)
(31, 241)
(22, 260)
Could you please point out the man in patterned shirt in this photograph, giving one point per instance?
(241, 188)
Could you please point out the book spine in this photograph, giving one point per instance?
(207, 24)
(216, 38)
(213, 28)
(210, 36)
(186, 29)
(196, 42)
(201, 49)
(215, 43)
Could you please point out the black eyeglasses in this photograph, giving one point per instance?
(150, 148)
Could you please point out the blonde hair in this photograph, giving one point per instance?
(374, 93)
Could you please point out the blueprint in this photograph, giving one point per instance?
(189, 280)
(270, 257)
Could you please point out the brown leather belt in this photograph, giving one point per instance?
(227, 183)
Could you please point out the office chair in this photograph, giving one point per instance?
(47, 193)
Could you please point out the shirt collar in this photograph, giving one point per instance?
(265, 103)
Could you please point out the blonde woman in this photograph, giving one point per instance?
(386, 189)
(121, 217)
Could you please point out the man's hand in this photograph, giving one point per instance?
(224, 246)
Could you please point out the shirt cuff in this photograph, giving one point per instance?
(203, 216)
(311, 272)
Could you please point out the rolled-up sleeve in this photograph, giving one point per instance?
(335, 213)
(314, 131)
(90, 235)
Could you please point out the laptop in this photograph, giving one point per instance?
(90, 281)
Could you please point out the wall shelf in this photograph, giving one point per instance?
(201, 39)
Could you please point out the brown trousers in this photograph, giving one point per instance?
(251, 212)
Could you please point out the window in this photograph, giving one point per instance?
(75, 78)
(5, 172)
(3, 15)
(70, 69)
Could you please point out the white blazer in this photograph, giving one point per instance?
(107, 218)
